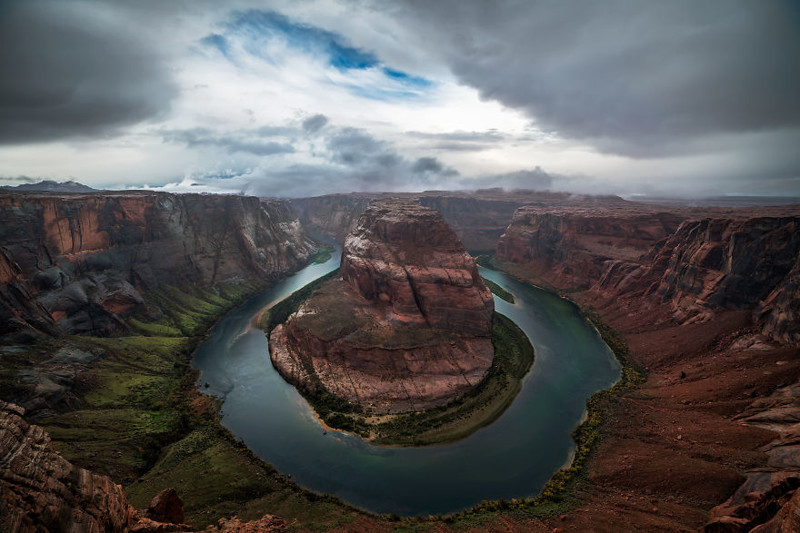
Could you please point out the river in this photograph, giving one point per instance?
(511, 458)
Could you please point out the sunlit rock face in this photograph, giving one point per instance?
(406, 327)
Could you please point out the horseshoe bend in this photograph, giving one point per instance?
(100, 326)
(392, 267)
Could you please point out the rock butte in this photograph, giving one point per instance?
(408, 325)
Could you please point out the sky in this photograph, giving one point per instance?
(308, 97)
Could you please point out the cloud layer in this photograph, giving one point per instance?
(304, 98)
(69, 71)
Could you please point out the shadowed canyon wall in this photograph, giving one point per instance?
(79, 263)
(478, 218)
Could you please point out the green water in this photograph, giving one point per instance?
(513, 457)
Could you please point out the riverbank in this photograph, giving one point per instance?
(135, 414)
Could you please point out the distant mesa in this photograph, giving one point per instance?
(51, 186)
(407, 326)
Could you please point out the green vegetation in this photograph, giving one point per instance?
(499, 291)
(486, 261)
(322, 255)
(191, 313)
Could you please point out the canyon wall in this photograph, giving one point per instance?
(694, 262)
(79, 263)
(407, 327)
(478, 218)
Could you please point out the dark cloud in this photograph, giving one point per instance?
(378, 161)
(352, 146)
(631, 77)
(18, 179)
(245, 141)
(426, 164)
(535, 179)
(315, 123)
(460, 141)
(460, 136)
(66, 70)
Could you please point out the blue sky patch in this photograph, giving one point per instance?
(254, 28)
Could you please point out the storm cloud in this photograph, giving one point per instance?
(69, 70)
(636, 78)
(249, 141)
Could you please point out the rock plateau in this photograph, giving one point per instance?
(407, 326)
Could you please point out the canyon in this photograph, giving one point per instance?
(407, 327)
(706, 298)
(478, 218)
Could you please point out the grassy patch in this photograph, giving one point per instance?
(499, 291)
(189, 312)
(322, 255)
(218, 477)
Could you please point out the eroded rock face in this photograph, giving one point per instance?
(43, 491)
(479, 218)
(406, 256)
(79, 263)
(407, 327)
(694, 263)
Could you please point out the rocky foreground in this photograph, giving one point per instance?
(42, 491)
(407, 327)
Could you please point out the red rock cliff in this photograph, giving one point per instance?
(407, 327)
(87, 258)
(695, 262)
(42, 491)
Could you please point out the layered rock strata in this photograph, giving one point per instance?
(693, 263)
(80, 263)
(407, 326)
(478, 218)
(708, 304)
